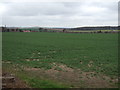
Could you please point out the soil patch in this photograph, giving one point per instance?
(10, 81)
(76, 77)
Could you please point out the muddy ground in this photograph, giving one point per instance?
(61, 73)
(11, 81)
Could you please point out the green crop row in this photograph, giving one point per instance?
(88, 52)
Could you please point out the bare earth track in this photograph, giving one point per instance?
(60, 73)
(11, 81)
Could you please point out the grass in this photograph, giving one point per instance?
(31, 79)
(42, 49)
(36, 82)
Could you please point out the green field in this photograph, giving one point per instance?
(88, 52)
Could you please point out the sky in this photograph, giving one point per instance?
(62, 13)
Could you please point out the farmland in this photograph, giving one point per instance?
(60, 54)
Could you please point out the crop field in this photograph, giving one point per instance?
(56, 60)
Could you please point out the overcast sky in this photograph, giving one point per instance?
(59, 14)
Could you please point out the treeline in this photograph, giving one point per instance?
(102, 29)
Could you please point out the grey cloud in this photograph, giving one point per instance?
(34, 9)
(62, 14)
